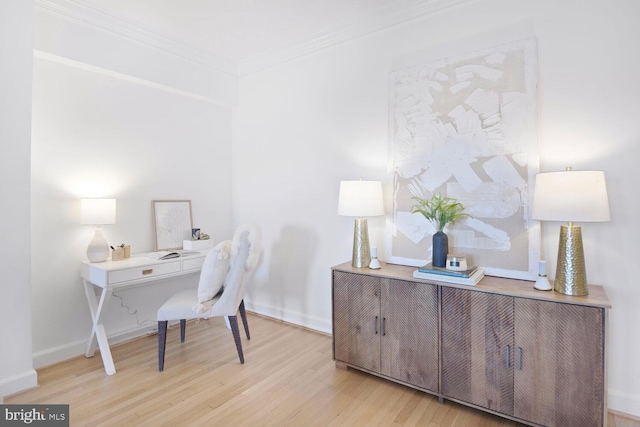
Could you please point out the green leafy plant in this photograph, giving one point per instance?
(440, 211)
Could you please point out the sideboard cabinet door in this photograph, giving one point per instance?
(409, 343)
(477, 348)
(388, 327)
(559, 365)
(356, 320)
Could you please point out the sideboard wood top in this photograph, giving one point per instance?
(498, 285)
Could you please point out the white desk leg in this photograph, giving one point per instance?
(105, 351)
(98, 335)
(226, 321)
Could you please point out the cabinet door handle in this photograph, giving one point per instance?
(507, 357)
(148, 271)
(519, 358)
(384, 320)
(375, 325)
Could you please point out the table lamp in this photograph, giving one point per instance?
(570, 195)
(360, 199)
(98, 212)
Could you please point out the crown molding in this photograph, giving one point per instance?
(80, 12)
(126, 77)
(398, 13)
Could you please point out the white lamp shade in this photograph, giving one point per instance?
(579, 196)
(98, 211)
(360, 198)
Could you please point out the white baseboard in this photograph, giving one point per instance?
(18, 383)
(57, 354)
(68, 351)
(301, 319)
(624, 403)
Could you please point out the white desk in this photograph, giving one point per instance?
(130, 272)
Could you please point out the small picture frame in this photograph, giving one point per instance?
(172, 223)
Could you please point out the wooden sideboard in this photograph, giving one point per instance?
(500, 346)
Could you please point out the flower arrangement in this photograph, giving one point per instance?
(440, 211)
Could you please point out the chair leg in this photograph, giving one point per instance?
(162, 343)
(243, 314)
(183, 329)
(233, 321)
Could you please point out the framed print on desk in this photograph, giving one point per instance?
(172, 223)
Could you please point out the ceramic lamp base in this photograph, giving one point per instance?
(98, 249)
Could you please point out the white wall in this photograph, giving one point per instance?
(116, 118)
(158, 126)
(305, 125)
(16, 41)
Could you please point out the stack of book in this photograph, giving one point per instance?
(471, 276)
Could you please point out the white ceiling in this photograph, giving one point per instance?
(250, 34)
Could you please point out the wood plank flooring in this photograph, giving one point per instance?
(288, 379)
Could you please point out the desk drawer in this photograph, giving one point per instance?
(192, 263)
(145, 272)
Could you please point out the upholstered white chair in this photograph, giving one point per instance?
(228, 264)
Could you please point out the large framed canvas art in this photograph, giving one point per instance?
(466, 127)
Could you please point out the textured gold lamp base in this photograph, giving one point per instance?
(361, 256)
(571, 276)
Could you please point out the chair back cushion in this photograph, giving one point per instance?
(214, 271)
(245, 251)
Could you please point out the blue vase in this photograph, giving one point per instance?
(440, 249)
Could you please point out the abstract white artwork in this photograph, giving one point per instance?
(466, 127)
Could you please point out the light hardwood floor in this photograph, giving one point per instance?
(288, 379)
